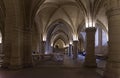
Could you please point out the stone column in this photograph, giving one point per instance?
(113, 62)
(13, 35)
(27, 48)
(100, 40)
(70, 50)
(80, 42)
(16, 47)
(51, 49)
(67, 48)
(75, 49)
(6, 50)
(43, 47)
(90, 59)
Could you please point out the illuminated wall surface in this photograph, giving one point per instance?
(96, 38)
(104, 38)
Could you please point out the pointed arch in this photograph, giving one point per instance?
(35, 6)
(58, 39)
(102, 26)
(54, 25)
(61, 35)
(81, 27)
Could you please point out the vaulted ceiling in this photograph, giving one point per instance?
(52, 10)
(62, 18)
(72, 12)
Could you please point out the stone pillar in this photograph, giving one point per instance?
(113, 62)
(13, 35)
(75, 49)
(90, 59)
(27, 48)
(40, 43)
(16, 47)
(70, 50)
(67, 49)
(43, 47)
(51, 49)
(80, 42)
(100, 40)
(6, 50)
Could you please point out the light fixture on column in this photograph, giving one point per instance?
(51, 44)
(89, 22)
(75, 37)
(44, 37)
(71, 42)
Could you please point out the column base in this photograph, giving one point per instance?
(90, 65)
(69, 54)
(5, 65)
(28, 65)
(111, 75)
(15, 67)
(74, 57)
(112, 70)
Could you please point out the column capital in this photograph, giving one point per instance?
(43, 41)
(75, 41)
(90, 29)
(70, 45)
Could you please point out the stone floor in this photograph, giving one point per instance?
(50, 69)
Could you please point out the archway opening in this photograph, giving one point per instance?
(59, 46)
(56, 31)
(101, 42)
